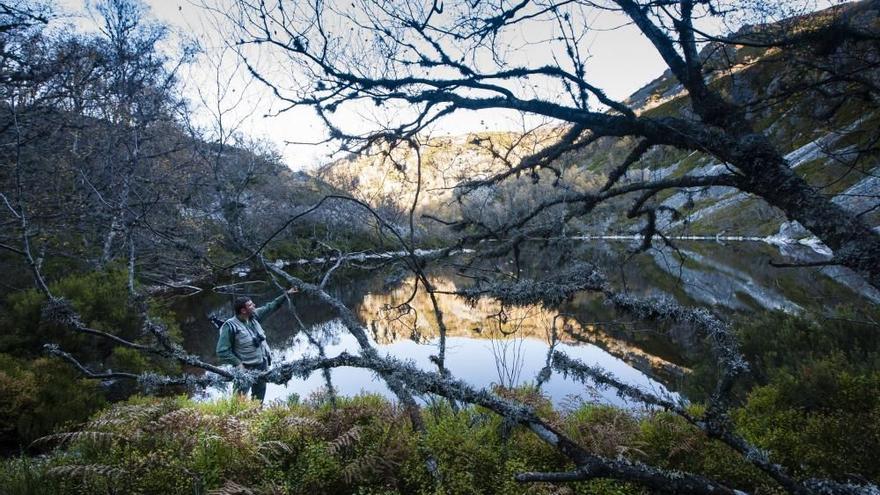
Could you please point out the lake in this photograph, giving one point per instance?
(489, 344)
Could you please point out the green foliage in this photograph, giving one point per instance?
(811, 403)
(778, 343)
(101, 298)
(824, 423)
(40, 395)
(17, 391)
(670, 442)
(811, 399)
(363, 445)
(606, 430)
(19, 321)
(28, 476)
(458, 442)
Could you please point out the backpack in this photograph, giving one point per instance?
(219, 323)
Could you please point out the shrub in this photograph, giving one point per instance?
(670, 442)
(811, 398)
(825, 423)
(366, 445)
(39, 396)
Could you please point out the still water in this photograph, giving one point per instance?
(473, 359)
(489, 344)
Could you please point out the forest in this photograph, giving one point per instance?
(595, 290)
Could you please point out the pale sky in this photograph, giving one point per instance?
(622, 62)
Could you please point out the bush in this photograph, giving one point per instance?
(364, 445)
(822, 425)
(101, 298)
(40, 396)
(811, 398)
(778, 343)
(825, 423)
(670, 442)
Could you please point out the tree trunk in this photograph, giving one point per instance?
(116, 225)
(854, 243)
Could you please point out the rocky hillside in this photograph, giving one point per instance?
(388, 179)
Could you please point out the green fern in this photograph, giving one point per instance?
(232, 488)
(85, 470)
(100, 438)
(345, 441)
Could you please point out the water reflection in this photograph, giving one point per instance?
(493, 344)
(471, 359)
(503, 326)
(487, 344)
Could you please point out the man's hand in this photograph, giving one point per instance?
(293, 290)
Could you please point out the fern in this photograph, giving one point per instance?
(232, 430)
(103, 422)
(362, 468)
(302, 422)
(275, 448)
(345, 441)
(100, 438)
(134, 412)
(177, 420)
(232, 488)
(85, 470)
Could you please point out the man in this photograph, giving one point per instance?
(242, 341)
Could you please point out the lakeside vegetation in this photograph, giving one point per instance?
(366, 445)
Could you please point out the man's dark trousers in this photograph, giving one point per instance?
(258, 389)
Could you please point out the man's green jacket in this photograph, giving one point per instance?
(238, 339)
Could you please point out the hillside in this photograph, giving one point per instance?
(183, 207)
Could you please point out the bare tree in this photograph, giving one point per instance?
(434, 59)
(138, 85)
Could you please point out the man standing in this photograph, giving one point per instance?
(242, 341)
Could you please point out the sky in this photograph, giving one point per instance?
(622, 61)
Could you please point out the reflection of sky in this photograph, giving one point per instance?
(469, 359)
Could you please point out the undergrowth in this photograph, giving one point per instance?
(364, 445)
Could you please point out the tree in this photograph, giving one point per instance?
(137, 88)
(436, 58)
(424, 62)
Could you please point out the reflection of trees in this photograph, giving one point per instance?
(504, 325)
(507, 338)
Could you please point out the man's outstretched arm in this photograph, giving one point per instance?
(272, 306)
